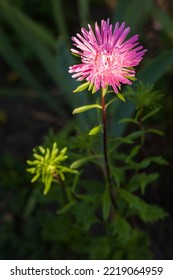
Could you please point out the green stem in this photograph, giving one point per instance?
(105, 151)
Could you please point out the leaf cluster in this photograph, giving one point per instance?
(47, 165)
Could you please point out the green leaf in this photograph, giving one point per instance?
(35, 178)
(121, 97)
(86, 108)
(165, 20)
(150, 114)
(132, 78)
(12, 14)
(82, 87)
(78, 163)
(133, 153)
(106, 205)
(66, 208)
(14, 60)
(104, 90)
(84, 215)
(147, 212)
(124, 140)
(120, 9)
(121, 228)
(136, 134)
(141, 181)
(155, 131)
(83, 8)
(152, 72)
(47, 182)
(59, 17)
(137, 20)
(128, 120)
(95, 130)
(153, 213)
(118, 175)
(158, 159)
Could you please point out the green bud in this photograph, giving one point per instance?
(95, 130)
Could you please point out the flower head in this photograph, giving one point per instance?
(47, 165)
(107, 59)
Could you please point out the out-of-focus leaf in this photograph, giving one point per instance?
(155, 131)
(6, 12)
(14, 59)
(141, 181)
(58, 16)
(136, 13)
(121, 228)
(95, 130)
(119, 11)
(86, 108)
(147, 212)
(150, 114)
(150, 74)
(157, 67)
(126, 10)
(83, 8)
(22, 92)
(66, 208)
(78, 163)
(165, 20)
(64, 59)
(133, 153)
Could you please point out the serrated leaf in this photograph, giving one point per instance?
(158, 159)
(48, 182)
(95, 130)
(147, 212)
(86, 108)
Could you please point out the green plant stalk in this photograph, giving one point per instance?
(105, 151)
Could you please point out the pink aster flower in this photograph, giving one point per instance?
(107, 59)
